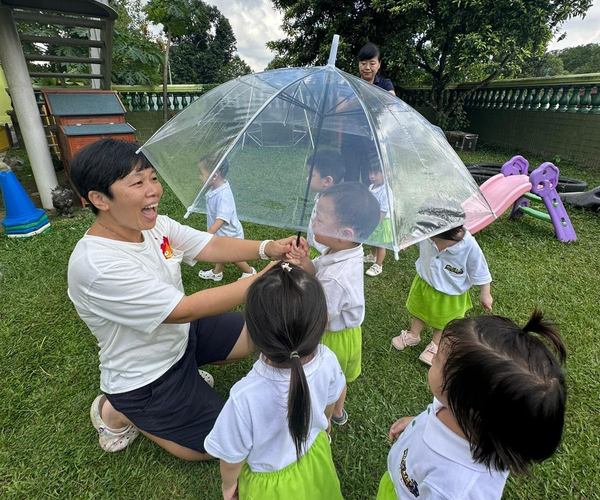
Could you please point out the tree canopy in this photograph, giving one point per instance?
(429, 41)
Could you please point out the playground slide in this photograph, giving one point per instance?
(500, 192)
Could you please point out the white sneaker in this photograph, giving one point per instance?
(207, 274)
(247, 275)
(369, 259)
(208, 378)
(374, 270)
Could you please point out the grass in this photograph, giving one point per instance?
(49, 374)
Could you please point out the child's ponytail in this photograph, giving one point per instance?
(286, 315)
(299, 408)
(546, 330)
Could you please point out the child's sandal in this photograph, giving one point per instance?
(405, 339)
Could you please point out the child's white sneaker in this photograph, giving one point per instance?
(247, 275)
(374, 270)
(207, 274)
(427, 355)
(369, 259)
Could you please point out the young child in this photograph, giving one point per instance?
(327, 170)
(347, 214)
(499, 406)
(448, 265)
(383, 232)
(271, 435)
(222, 220)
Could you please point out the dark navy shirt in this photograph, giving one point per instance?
(384, 83)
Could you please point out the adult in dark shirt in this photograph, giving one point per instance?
(359, 151)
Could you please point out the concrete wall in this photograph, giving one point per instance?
(573, 136)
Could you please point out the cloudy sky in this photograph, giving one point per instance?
(255, 22)
(581, 31)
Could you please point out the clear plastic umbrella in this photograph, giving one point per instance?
(266, 127)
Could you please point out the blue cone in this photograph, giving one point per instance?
(19, 208)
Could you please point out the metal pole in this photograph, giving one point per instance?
(95, 34)
(26, 109)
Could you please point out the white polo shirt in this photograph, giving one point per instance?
(253, 425)
(381, 194)
(455, 269)
(221, 205)
(310, 234)
(342, 276)
(430, 461)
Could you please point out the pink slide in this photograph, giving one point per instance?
(500, 192)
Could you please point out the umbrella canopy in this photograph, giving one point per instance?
(265, 127)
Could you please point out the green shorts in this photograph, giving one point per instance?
(386, 488)
(313, 253)
(435, 308)
(347, 346)
(383, 233)
(311, 478)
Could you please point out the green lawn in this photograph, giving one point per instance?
(49, 371)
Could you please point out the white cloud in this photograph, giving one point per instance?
(254, 22)
(580, 30)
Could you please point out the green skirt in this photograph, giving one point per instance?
(312, 478)
(313, 253)
(435, 308)
(383, 232)
(347, 346)
(386, 488)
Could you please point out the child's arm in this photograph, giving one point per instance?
(485, 297)
(229, 477)
(382, 215)
(398, 427)
(216, 226)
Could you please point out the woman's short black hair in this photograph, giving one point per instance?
(505, 388)
(355, 207)
(98, 166)
(369, 51)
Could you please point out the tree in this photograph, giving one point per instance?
(434, 41)
(236, 67)
(173, 15)
(205, 53)
(580, 59)
(547, 65)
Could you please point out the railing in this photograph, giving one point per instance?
(572, 93)
(150, 98)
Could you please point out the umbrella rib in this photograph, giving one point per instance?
(381, 162)
(243, 131)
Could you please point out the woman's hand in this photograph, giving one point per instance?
(280, 248)
(398, 427)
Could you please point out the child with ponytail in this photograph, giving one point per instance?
(499, 406)
(271, 435)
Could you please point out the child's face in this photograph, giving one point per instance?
(434, 375)
(376, 178)
(326, 225)
(319, 184)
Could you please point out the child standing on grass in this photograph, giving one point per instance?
(222, 220)
(327, 170)
(499, 406)
(448, 265)
(271, 435)
(347, 213)
(383, 232)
